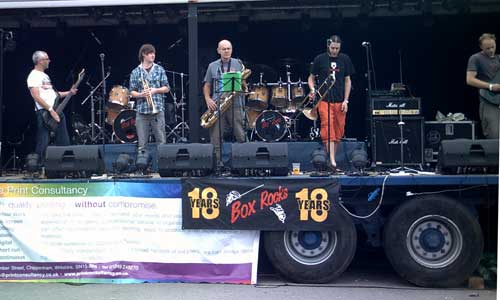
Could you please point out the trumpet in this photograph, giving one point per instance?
(149, 95)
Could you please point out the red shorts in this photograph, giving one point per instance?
(335, 122)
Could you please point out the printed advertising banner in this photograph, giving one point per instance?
(263, 204)
(114, 232)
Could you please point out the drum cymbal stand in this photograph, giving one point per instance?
(102, 131)
(288, 86)
(292, 120)
(182, 126)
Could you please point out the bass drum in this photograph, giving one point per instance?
(252, 117)
(271, 126)
(124, 126)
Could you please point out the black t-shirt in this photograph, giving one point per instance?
(324, 64)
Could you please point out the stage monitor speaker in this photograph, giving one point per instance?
(259, 159)
(182, 160)
(73, 161)
(387, 141)
(465, 156)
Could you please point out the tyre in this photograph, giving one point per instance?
(433, 241)
(312, 256)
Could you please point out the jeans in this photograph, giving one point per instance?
(43, 135)
(489, 115)
(231, 119)
(145, 123)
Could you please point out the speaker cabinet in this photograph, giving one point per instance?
(259, 159)
(386, 140)
(185, 159)
(468, 156)
(73, 161)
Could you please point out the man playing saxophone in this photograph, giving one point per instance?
(232, 118)
(148, 83)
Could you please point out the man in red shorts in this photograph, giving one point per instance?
(333, 108)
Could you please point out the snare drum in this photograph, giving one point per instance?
(258, 98)
(279, 98)
(118, 98)
(271, 126)
(124, 126)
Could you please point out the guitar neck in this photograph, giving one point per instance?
(61, 106)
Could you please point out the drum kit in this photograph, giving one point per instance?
(273, 108)
(272, 111)
(120, 115)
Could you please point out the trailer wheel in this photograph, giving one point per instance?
(433, 241)
(312, 256)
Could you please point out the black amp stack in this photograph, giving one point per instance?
(386, 112)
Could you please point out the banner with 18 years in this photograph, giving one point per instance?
(260, 203)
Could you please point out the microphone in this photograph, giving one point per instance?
(175, 44)
(365, 44)
(95, 38)
(102, 56)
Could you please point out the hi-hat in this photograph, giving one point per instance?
(288, 61)
(269, 73)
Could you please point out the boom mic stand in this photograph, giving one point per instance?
(369, 70)
(101, 119)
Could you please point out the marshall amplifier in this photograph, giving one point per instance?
(386, 141)
(393, 106)
(435, 132)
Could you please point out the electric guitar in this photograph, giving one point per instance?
(489, 96)
(48, 121)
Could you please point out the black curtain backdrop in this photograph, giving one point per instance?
(434, 57)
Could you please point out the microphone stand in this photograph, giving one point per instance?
(231, 83)
(220, 164)
(370, 102)
(101, 119)
(402, 169)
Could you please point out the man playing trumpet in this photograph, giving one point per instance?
(148, 83)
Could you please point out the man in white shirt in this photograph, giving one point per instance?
(44, 95)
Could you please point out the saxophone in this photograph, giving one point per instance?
(209, 117)
(149, 96)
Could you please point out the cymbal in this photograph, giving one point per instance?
(269, 73)
(260, 68)
(288, 61)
